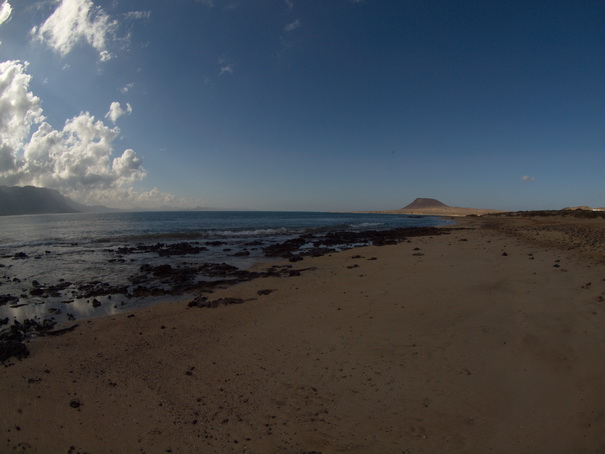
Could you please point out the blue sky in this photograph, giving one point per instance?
(305, 105)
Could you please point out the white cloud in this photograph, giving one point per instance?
(527, 179)
(75, 21)
(138, 14)
(226, 69)
(116, 111)
(292, 26)
(105, 55)
(289, 5)
(127, 87)
(225, 66)
(5, 12)
(79, 160)
(19, 110)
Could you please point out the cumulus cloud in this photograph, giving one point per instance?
(5, 12)
(527, 179)
(78, 160)
(76, 21)
(19, 110)
(116, 111)
(78, 157)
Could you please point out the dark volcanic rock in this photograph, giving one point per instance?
(141, 291)
(181, 249)
(98, 288)
(163, 250)
(284, 249)
(8, 299)
(215, 243)
(45, 291)
(241, 254)
(59, 332)
(200, 301)
(168, 280)
(345, 240)
(204, 303)
(8, 349)
(11, 339)
(19, 331)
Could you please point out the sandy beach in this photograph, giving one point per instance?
(489, 338)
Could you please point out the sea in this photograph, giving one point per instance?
(64, 266)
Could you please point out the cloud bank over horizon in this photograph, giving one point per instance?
(76, 160)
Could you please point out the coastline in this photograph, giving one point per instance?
(482, 339)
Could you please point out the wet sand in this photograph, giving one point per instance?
(487, 339)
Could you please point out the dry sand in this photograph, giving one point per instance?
(479, 341)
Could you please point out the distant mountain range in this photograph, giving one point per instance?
(15, 200)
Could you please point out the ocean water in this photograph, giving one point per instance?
(68, 252)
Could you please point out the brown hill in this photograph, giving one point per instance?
(433, 207)
(421, 204)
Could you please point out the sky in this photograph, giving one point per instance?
(312, 105)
